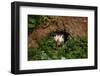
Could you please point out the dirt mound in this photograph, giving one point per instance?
(74, 26)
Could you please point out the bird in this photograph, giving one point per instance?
(58, 39)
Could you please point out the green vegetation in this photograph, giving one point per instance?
(35, 20)
(71, 49)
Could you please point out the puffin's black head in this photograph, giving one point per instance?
(65, 35)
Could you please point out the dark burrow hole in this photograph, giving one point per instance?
(65, 35)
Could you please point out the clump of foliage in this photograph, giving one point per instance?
(35, 20)
(71, 49)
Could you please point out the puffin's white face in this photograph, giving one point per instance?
(59, 38)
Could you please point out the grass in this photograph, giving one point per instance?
(71, 49)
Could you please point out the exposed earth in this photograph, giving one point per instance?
(72, 26)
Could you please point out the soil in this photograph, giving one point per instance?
(74, 26)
